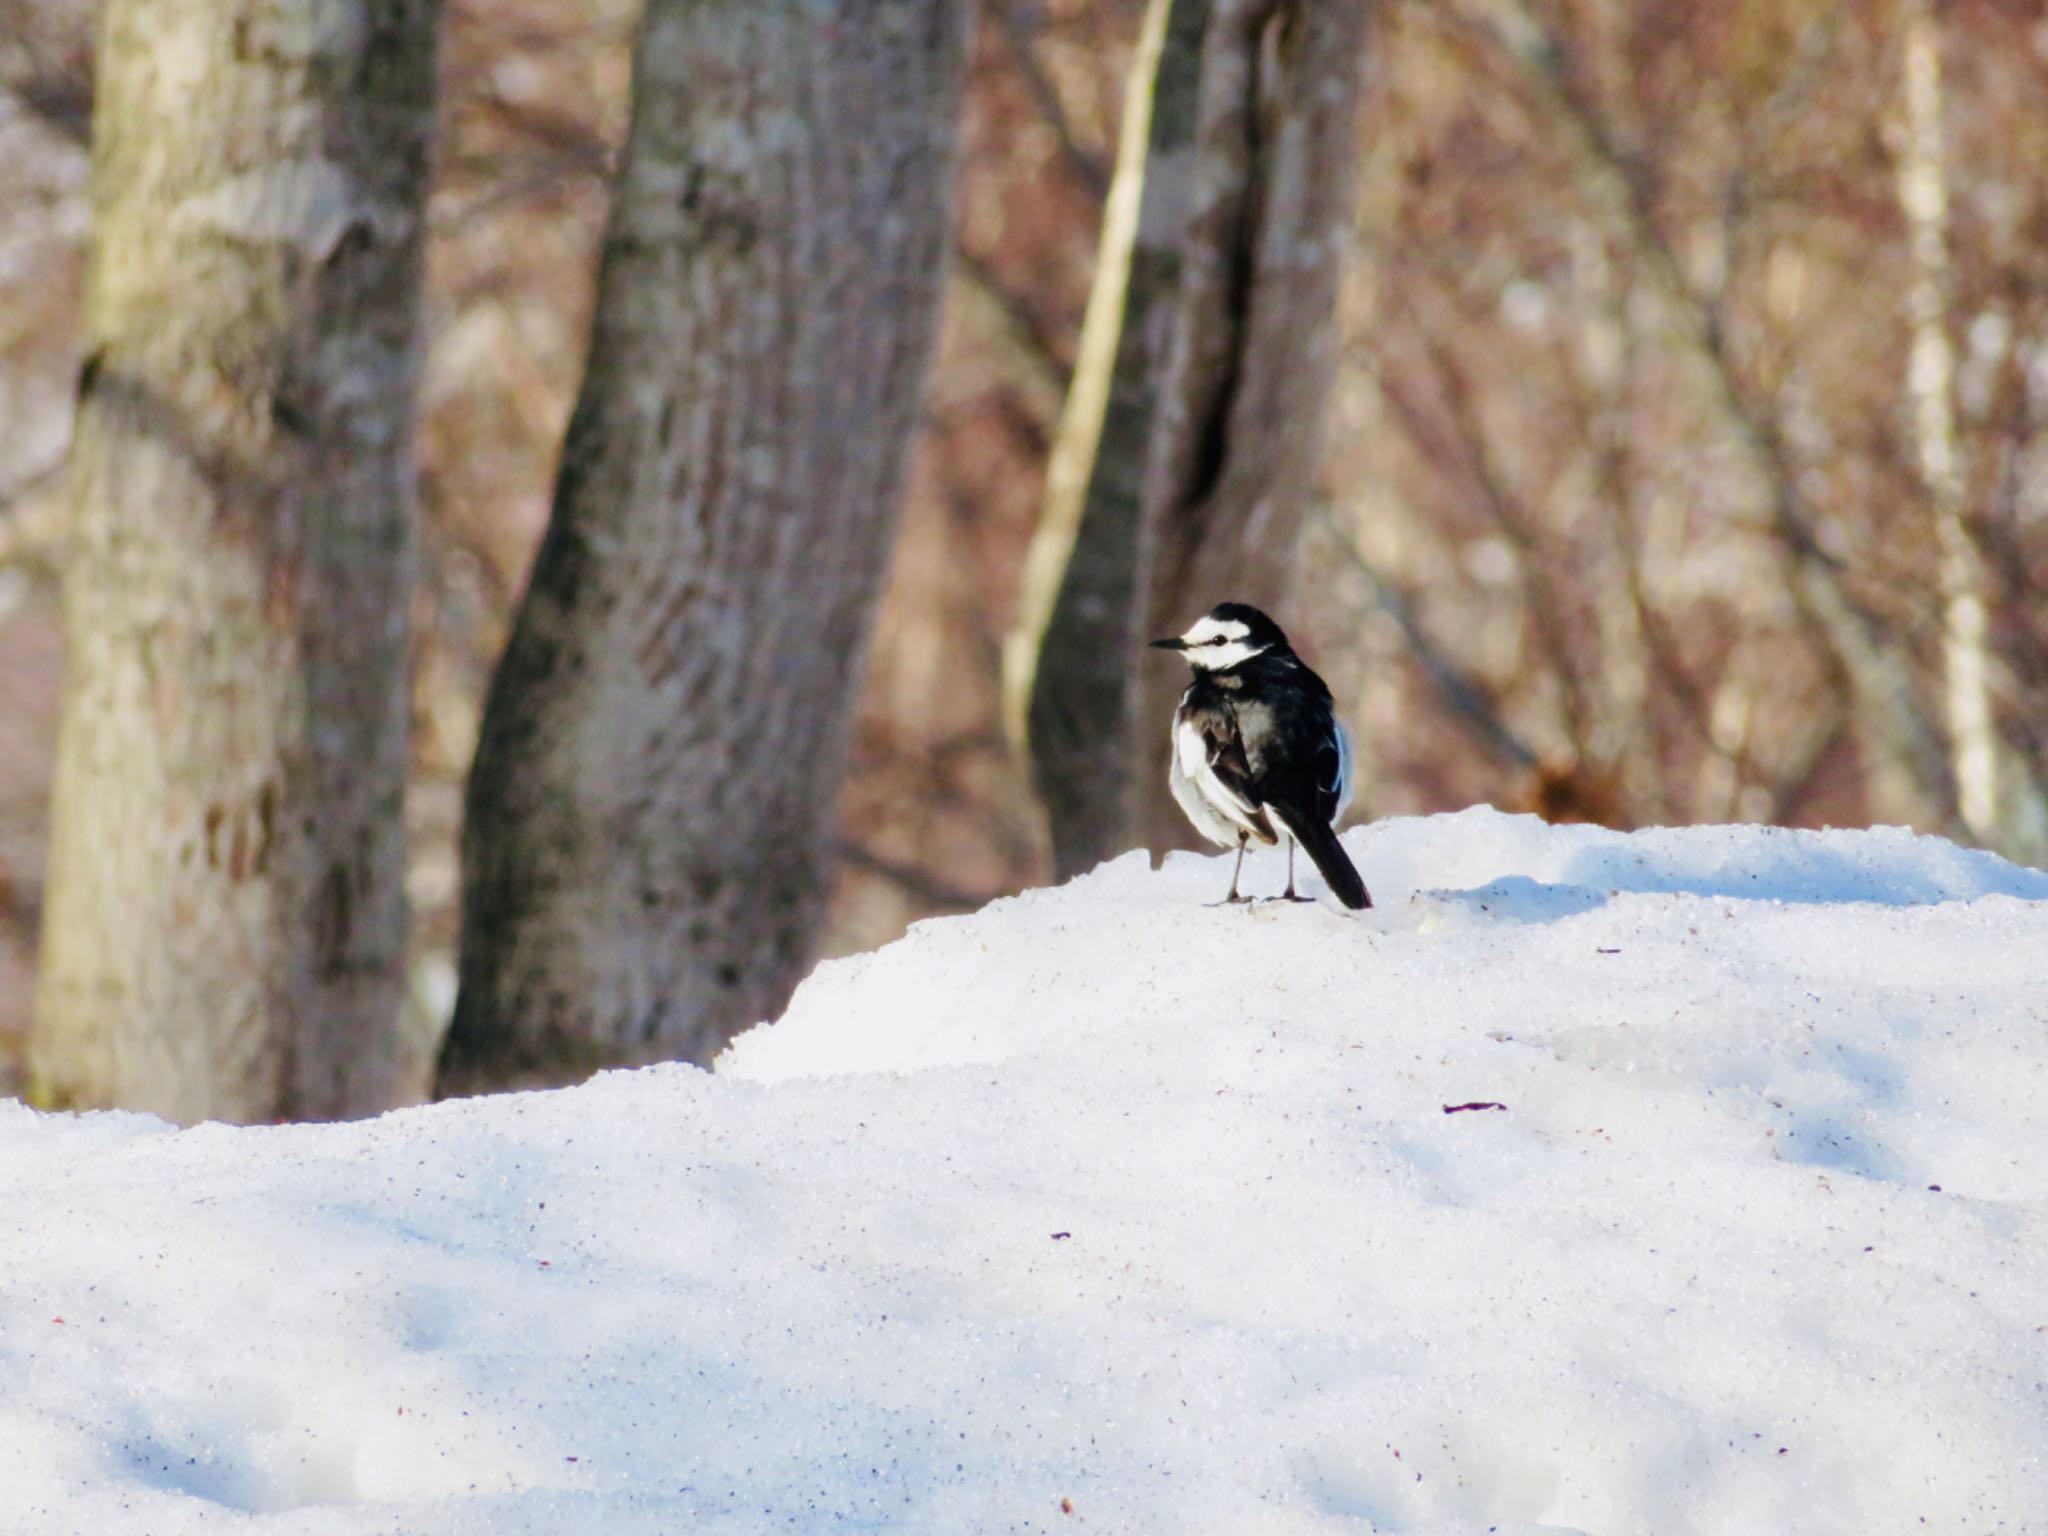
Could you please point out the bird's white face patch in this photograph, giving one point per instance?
(1208, 630)
(1217, 643)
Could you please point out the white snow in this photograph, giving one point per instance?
(1107, 1197)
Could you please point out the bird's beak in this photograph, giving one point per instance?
(1175, 644)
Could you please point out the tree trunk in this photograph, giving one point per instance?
(226, 917)
(1209, 429)
(1080, 609)
(1994, 797)
(647, 849)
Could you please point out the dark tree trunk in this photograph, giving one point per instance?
(225, 928)
(647, 851)
(1255, 351)
(1082, 608)
(1203, 444)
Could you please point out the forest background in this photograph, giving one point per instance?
(1685, 460)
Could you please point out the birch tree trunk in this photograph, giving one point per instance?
(1975, 752)
(1208, 433)
(226, 915)
(646, 855)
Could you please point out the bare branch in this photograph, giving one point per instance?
(1020, 28)
(931, 891)
(1034, 335)
(32, 520)
(1469, 699)
(1613, 183)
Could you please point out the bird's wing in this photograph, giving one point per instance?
(1226, 757)
(1304, 805)
(1224, 773)
(1298, 761)
(1331, 758)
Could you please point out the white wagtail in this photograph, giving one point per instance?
(1258, 751)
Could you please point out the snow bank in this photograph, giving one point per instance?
(1105, 1210)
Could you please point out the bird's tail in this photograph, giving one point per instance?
(1322, 846)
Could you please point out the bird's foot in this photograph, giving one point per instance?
(1232, 900)
(1291, 896)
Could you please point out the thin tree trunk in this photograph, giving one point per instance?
(647, 849)
(1974, 748)
(226, 917)
(1623, 736)
(1186, 456)
(1080, 606)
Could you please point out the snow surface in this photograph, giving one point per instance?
(1105, 1210)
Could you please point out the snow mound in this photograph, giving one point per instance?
(1682, 1181)
(1045, 970)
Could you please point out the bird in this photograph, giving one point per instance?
(1258, 750)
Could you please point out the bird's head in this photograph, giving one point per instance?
(1226, 636)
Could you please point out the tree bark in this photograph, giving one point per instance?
(226, 916)
(1255, 345)
(1994, 796)
(1208, 431)
(1067, 698)
(647, 848)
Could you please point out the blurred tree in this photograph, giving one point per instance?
(225, 924)
(1625, 512)
(1189, 445)
(1700, 358)
(650, 816)
(1066, 682)
(1868, 654)
(1996, 797)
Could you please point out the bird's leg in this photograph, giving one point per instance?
(1290, 896)
(1233, 899)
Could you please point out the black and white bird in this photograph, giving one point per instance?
(1258, 751)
